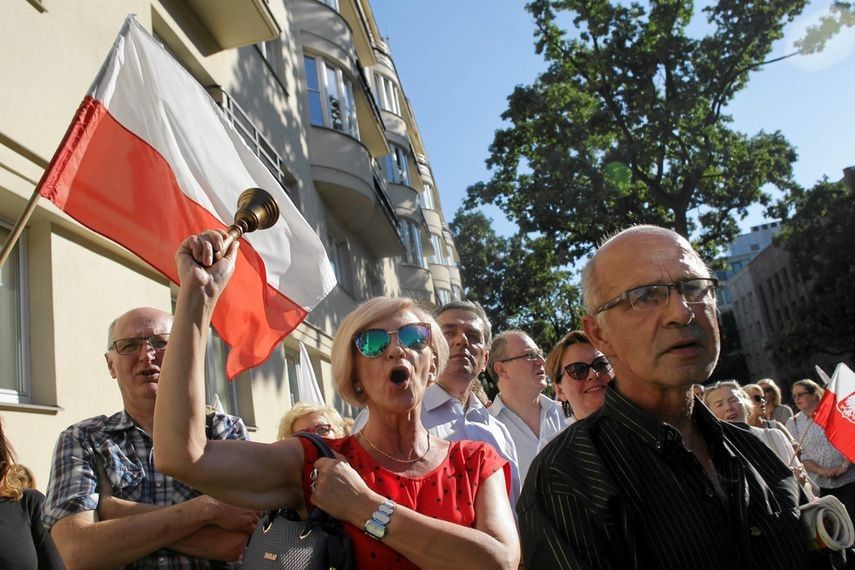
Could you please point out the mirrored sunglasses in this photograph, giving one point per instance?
(374, 342)
(579, 370)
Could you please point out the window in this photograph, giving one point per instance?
(14, 353)
(331, 100)
(291, 365)
(426, 198)
(457, 292)
(331, 3)
(443, 296)
(436, 242)
(387, 94)
(217, 387)
(449, 255)
(397, 166)
(340, 259)
(413, 242)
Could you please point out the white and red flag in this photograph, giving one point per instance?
(836, 411)
(150, 159)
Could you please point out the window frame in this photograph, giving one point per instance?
(387, 93)
(326, 74)
(397, 165)
(413, 243)
(23, 392)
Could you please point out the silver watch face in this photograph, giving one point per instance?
(375, 529)
(382, 518)
(386, 508)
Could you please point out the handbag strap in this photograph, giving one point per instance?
(319, 442)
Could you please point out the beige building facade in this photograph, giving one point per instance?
(315, 93)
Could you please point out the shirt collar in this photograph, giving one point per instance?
(436, 396)
(653, 431)
(119, 421)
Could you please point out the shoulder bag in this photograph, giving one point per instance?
(283, 541)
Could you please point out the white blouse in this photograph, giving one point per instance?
(816, 448)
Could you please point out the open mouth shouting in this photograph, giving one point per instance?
(399, 375)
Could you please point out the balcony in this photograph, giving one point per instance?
(352, 186)
(416, 282)
(235, 23)
(434, 221)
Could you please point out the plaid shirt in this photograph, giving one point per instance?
(123, 451)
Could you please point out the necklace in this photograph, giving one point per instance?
(384, 454)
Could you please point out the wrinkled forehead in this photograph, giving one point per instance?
(142, 323)
(639, 259)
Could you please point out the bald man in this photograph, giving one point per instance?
(651, 480)
(106, 504)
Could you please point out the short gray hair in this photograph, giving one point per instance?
(498, 350)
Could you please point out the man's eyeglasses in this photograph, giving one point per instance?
(531, 356)
(322, 430)
(649, 297)
(374, 342)
(579, 370)
(126, 346)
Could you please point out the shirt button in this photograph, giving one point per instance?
(161, 561)
(158, 484)
(710, 493)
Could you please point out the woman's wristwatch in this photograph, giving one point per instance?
(375, 527)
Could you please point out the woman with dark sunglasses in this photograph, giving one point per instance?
(757, 412)
(407, 499)
(775, 408)
(579, 374)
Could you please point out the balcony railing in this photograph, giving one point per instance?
(256, 141)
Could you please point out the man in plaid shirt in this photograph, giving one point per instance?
(106, 503)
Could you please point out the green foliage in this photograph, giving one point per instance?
(515, 280)
(818, 231)
(627, 123)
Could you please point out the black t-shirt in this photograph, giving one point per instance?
(25, 541)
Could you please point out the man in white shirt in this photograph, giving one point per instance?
(517, 366)
(450, 409)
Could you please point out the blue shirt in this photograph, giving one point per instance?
(120, 449)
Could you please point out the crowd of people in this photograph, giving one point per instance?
(638, 462)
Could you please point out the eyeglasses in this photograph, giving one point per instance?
(322, 430)
(758, 398)
(768, 389)
(126, 346)
(800, 394)
(374, 342)
(579, 370)
(649, 297)
(531, 356)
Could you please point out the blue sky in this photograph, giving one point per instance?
(458, 60)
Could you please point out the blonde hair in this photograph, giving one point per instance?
(300, 409)
(13, 477)
(367, 313)
(775, 390)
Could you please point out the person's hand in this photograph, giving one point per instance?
(341, 492)
(196, 266)
(227, 516)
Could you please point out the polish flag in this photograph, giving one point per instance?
(836, 411)
(150, 159)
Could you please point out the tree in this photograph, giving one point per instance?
(627, 125)
(515, 281)
(818, 232)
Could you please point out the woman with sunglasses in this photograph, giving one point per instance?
(579, 374)
(757, 413)
(313, 418)
(406, 499)
(830, 470)
(775, 410)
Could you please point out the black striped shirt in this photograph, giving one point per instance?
(619, 490)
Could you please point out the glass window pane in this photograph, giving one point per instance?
(316, 113)
(11, 349)
(334, 98)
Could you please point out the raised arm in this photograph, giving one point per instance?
(242, 473)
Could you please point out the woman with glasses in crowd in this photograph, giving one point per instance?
(406, 498)
(775, 409)
(729, 402)
(757, 413)
(579, 374)
(313, 418)
(829, 469)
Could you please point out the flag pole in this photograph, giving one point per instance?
(19, 227)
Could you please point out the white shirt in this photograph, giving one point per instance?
(444, 416)
(528, 445)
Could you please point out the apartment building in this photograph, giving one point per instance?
(314, 91)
